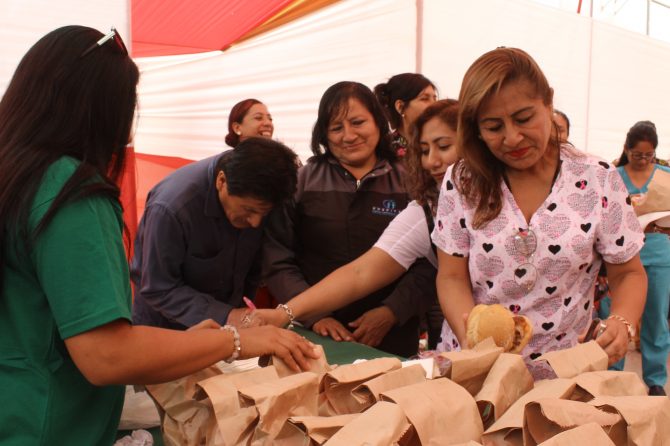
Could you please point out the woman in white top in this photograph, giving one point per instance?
(406, 239)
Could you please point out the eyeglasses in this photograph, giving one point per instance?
(112, 35)
(642, 156)
(524, 243)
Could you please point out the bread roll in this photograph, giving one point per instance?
(508, 331)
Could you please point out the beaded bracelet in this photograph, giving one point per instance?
(629, 327)
(289, 312)
(236, 343)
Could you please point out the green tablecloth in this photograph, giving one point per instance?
(336, 353)
(343, 352)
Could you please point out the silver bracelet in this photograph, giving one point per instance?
(289, 312)
(236, 343)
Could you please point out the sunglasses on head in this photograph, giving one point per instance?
(112, 35)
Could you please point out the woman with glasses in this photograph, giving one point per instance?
(67, 345)
(637, 167)
(407, 237)
(525, 221)
(404, 96)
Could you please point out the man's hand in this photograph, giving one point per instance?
(331, 327)
(244, 318)
(276, 317)
(207, 323)
(373, 325)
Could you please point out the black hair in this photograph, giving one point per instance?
(565, 117)
(404, 87)
(641, 131)
(68, 97)
(260, 168)
(334, 102)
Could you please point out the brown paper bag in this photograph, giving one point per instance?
(470, 367)
(184, 421)
(318, 430)
(507, 430)
(382, 425)
(568, 363)
(278, 400)
(318, 365)
(368, 393)
(192, 425)
(592, 431)
(607, 383)
(548, 417)
(645, 419)
(441, 411)
(505, 383)
(658, 194)
(234, 417)
(336, 385)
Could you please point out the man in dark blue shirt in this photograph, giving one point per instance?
(198, 244)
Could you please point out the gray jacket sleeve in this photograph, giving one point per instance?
(415, 292)
(281, 272)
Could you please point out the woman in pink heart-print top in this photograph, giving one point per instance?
(526, 222)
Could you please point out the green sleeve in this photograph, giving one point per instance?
(81, 265)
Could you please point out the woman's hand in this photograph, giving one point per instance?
(244, 318)
(332, 327)
(371, 328)
(614, 340)
(276, 317)
(293, 349)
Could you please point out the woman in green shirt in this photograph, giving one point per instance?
(67, 346)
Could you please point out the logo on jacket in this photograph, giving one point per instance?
(388, 208)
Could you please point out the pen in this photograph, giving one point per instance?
(249, 303)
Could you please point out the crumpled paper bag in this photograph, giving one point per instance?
(368, 393)
(507, 430)
(657, 197)
(336, 385)
(505, 383)
(592, 431)
(607, 383)
(185, 421)
(277, 401)
(310, 430)
(645, 419)
(441, 411)
(470, 367)
(568, 363)
(381, 425)
(548, 417)
(234, 416)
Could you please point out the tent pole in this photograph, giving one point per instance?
(589, 80)
(419, 37)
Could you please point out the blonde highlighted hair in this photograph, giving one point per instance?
(479, 173)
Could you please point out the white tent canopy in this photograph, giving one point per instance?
(605, 78)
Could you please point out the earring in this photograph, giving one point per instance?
(238, 133)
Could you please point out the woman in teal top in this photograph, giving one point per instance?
(66, 343)
(637, 167)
